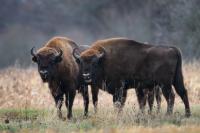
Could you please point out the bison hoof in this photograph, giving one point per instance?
(187, 115)
(63, 119)
(59, 115)
(95, 110)
(69, 116)
(150, 112)
(117, 105)
(85, 116)
(158, 112)
(168, 114)
(85, 113)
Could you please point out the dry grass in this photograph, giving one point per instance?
(22, 90)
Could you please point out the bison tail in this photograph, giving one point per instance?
(178, 77)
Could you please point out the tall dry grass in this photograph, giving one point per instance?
(23, 88)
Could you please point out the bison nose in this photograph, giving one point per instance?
(86, 74)
(44, 73)
(87, 77)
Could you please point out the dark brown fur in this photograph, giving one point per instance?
(64, 78)
(147, 64)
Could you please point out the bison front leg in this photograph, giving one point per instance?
(58, 102)
(69, 102)
(95, 92)
(84, 92)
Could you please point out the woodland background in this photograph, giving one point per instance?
(28, 23)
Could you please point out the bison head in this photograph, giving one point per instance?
(89, 62)
(47, 59)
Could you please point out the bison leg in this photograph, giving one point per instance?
(95, 92)
(124, 98)
(119, 97)
(142, 97)
(124, 88)
(58, 102)
(150, 96)
(69, 102)
(182, 92)
(179, 86)
(169, 96)
(116, 102)
(84, 92)
(158, 98)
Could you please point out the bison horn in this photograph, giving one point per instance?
(74, 53)
(59, 53)
(33, 52)
(102, 53)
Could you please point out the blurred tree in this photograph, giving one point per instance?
(25, 23)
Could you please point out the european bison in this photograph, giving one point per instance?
(122, 59)
(120, 94)
(58, 68)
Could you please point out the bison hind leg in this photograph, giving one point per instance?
(142, 98)
(170, 97)
(182, 92)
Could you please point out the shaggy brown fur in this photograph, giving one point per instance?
(61, 73)
(147, 65)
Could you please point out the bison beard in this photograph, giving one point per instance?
(148, 64)
(58, 68)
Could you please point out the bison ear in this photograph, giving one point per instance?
(58, 57)
(76, 55)
(34, 59)
(101, 56)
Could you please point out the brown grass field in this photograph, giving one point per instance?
(27, 106)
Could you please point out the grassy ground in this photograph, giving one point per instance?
(27, 106)
(106, 120)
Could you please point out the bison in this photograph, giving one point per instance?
(119, 95)
(119, 59)
(58, 68)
